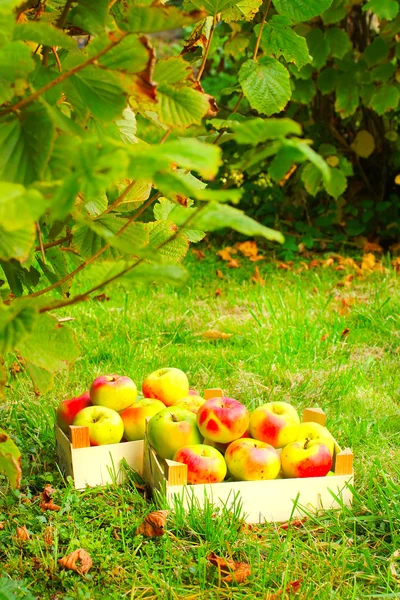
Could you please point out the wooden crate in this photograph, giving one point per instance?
(276, 500)
(95, 465)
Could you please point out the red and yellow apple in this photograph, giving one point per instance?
(222, 419)
(193, 392)
(68, 409)
(276, 423)
(105, 425)
(113, 391)
(171, 429)
(167, 385)
(315, 431)
(222, 447)
(191, 402)
(205, 464)
(306, 458)
(134, 417)
(252, 460)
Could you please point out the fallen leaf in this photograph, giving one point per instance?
(1, 525)
(324, 337)
(294, 523)
(199, 253)
(213, 334)
(23, 534)
(287, 176)
(257, 277)
(79, 560)
(47, 501)
(340, 268)
(396, 264)
(346, 282)
(372, 247)
(314, 264)
(285, 266)
(101, 298)
(48, 535)
(368, 262)
(233, 264)
(345, 304)
(36, 563)
(328, 262)
(153, 524)
(394, 248)
(15, 368)
(226, 253)
(234, 571)
(294, 586)
(392, 567)
(248, 249)
(218, 292)
(345, 331)
(219, 274)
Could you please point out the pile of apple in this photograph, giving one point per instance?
(215, 438)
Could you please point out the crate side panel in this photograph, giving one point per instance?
(64, 449)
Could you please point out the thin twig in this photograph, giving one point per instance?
(39, 232)
(207, 49)
(62, 77)
(119, 200)
(54, 243)
(53, 49)
(60, 24)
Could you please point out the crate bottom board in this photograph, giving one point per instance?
(266, 501)
(97, 465)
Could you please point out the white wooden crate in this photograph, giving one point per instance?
(95, 465)
(276, 500)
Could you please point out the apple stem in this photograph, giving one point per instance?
(173, 417)
(306, 443)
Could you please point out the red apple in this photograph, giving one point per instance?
(205, 464)
(167, 385)
(315, 431)
(134, 417)
(222, 419)
(251, 460)
(222, 447)
(171, 429)
(68, 409)
(113, 391)
(105, 425)
(276, 423)
(306, 458)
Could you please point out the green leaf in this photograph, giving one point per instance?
(149, 19)
(19, 207)
(25, 145)
(326, 81)
(18, 277)
(279, 39)
(176, 183)
(301, 10)
(217, 216)
(385, 99)
(56, 268)
(283, 162)
(90, 15)
(310, 154)
(383, 72)
(244, 10)
(304, 91)
(384, 9)
(100, 166)
(127, 126)
(347, 95)
(15, 63)
(172, 70)
(339, 42)
(99, 91)
(214, 6)
(43, 33)
(181, 106)
(376, 52)
(162, 209)
(10, 462)
(138, 194)
(43, 380)
(257, 131)
(16, 244)
(319, 48)
(130, 55)
(335, 13)
(16, 323)
(337, 184)
(50, 345)
(265, 84)
(312, 179)
(161, 234)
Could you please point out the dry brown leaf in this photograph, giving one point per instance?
(48, 535)
(47, 501)
(314, 264)
(153, 524)
(218, 292)
(1, 525)
(294, 523)
(288, 175)
(345, 331)
(395, 248)
(199, 253)
(213, 334)
(256, 278)
(372, 247)
(340, 268)
(248, 248)
(328, 262)
(15, 368)
(324, 337)
(101, 298)
(233, 264)
(396, 264)
(79, 560)
(345, 304)
(368, 262)
(219, 274)
(346, 282)
(226, 253)
(36, 563)
(285, 266)
(234, 571)
(23, 534)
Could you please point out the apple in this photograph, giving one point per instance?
(193, 392)
(222, 419)
(171, 429)
(105, 424)
(167, 385)
(113, 391)
(134, 417)
(251, 460)
(68, 409)
(205, 464)
(315, 431)
(191, 402)
(306, 458)
(222, 447)
(275, 423)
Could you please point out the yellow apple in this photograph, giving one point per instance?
(275, 423)
(306, 458)
(252, 460)
(315, 431)
(167, 385)
(134, 417)
(191, 402)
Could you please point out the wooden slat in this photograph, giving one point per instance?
(344, 462)
(176, 473)
(314, 415)
(79, 436)
(213, 393)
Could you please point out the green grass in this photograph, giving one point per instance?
(275, 353)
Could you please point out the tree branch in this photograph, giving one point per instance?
(207, 49)
(62, 77)
(54, 243)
